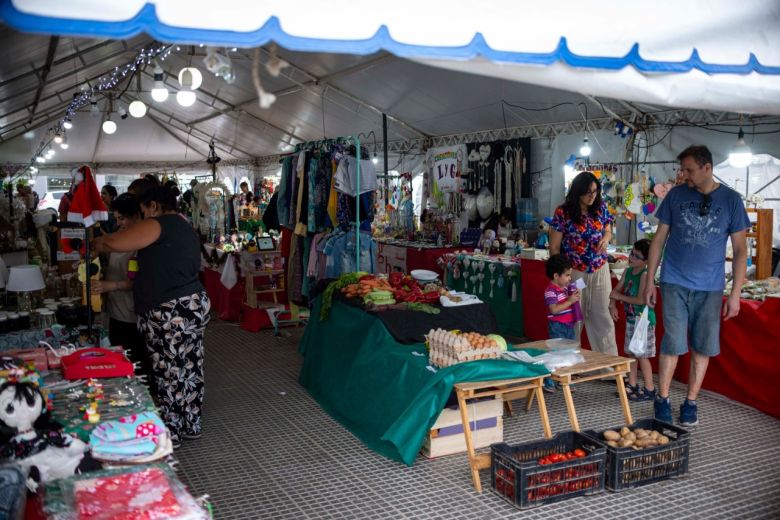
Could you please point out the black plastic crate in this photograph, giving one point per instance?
(518, 477)
(629, 468)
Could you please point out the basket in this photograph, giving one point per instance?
(517, 477)
(628, 468)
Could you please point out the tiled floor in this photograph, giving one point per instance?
(269, 451)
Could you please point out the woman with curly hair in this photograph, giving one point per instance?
(580, 230)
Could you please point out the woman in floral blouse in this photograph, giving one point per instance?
(580, 230)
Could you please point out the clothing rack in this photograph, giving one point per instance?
(347, 140)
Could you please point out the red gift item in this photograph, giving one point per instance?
(96, 362)
(144, 495)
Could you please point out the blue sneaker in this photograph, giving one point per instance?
(688, 413)
(549, 386)
(642, 395)
(663, 409)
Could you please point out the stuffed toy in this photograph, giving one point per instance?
(543, 238)
(46, 454)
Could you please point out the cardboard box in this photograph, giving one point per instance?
(486, 425)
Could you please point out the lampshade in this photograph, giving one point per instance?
(25, 278)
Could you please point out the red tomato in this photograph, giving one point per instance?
(580, 453)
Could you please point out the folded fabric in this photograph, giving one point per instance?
(130, 448)
(145, 424)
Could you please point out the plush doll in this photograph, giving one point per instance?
(543, 239)
(46, 454)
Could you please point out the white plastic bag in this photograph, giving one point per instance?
(638, 344)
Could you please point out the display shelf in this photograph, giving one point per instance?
(761, 233)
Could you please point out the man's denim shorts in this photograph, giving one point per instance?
(691, 318)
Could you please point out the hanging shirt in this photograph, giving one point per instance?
(346, 176)
(580, 239)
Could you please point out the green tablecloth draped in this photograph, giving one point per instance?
(376, 387)
(509, 314)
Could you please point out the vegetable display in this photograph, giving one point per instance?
(327, 295)
(637, 439)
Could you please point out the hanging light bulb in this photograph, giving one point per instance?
(67, 125)
(186, 97)
(375, 159)
(585, 148)
(109, 126)
(58, 138)
(33, 169)
(159, 92)
(740, 156)
(195, 78)
(122, 112)
(137, 108)
(64, 144)
(50, 153)
(40, 159)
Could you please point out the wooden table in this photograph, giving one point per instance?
(597, 366)
(468, 391)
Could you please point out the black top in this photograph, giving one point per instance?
(168, 269)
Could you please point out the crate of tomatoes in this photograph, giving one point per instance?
(542, 472)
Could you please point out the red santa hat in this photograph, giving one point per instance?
(87, 206)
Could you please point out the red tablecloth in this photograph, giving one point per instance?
(408, 258)
(746, 369)
(226, 304)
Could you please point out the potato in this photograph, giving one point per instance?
(654, 435)
(630, 436)
(612, 443)
(641, 434)
(625, 443)
(611, 435)
(640, 443)
(663, 439)
(624, 431)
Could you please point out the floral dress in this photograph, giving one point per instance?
(580, 239)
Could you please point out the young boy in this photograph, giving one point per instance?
(630, 290)
(560, 315)
(559, 301)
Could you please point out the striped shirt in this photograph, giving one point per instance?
(554, 295)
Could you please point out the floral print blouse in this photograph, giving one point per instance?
(581, 239)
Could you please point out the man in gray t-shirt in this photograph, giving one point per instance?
(695, 221)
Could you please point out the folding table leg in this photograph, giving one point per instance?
(621, 388)
(464, 417)
(570, 407)
(542, 410)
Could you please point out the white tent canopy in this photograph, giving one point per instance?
(716, 55)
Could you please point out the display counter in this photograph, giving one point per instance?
(746, 368)
(382, 391)
(407, 256)
(225, 303)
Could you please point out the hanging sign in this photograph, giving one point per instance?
(445, 165)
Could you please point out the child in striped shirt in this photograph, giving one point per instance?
(560, 299)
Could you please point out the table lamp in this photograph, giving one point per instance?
(25, 279)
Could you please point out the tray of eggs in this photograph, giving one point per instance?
(451, 347)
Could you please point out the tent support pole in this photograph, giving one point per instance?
(384, 145)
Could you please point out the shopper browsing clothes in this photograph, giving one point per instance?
(580, 230)
(171, 304)
(695, 221)
(631, 290)
(118, 288)
(560, 302)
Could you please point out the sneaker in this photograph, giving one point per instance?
(176, 444)
(688, 413)
(549, 386)
(663, 409)
(631, 391)
(642, 395)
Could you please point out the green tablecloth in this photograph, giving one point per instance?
(379, 389)
(509, 314)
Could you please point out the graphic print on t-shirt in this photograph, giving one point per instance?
(698, 230)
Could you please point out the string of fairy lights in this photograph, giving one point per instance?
(57, 134)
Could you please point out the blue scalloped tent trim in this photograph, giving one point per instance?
(146, 21)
